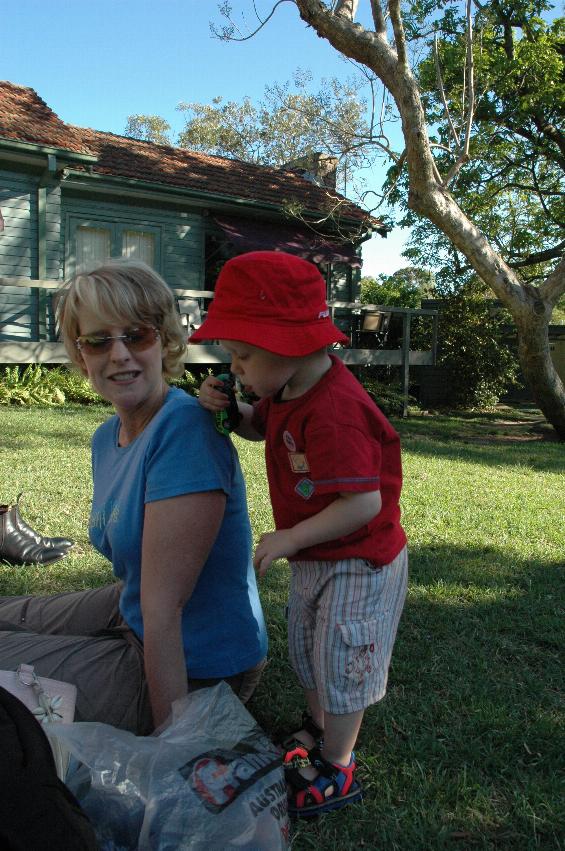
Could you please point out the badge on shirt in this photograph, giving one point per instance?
(298, 462)
(289, 441)
(305, 488)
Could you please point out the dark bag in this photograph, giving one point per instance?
(37, 811)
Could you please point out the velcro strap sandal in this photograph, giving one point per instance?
(293, 749)
(333, 788)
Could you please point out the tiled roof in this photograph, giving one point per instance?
(25, 117)
(120, 155)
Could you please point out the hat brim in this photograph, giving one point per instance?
(286, 339)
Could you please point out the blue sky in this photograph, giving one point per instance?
(94, 63)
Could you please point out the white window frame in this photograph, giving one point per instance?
(117, 229)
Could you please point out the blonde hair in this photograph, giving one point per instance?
(123, 291)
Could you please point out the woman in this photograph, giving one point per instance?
(169, 512)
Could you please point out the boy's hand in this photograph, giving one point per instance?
(271, 546)
(211, 396)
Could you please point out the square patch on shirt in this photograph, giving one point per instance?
(305, 488)
(298, 462)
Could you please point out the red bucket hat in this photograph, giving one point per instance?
(272, 300)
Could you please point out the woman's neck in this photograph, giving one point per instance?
(134, 421)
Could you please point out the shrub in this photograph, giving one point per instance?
(480, 366)
(387, 395)
(42, 385)
(75, 387)
(28, 387)
(188, 382)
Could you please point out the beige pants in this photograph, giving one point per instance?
(80, 637)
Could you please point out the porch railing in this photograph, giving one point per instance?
(369, 346)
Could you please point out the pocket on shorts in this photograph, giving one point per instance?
(359, 633)
(360, 652)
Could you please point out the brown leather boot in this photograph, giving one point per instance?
(17, 547)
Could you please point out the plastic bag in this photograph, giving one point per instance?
(212, 779)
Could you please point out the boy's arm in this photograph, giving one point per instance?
(214, 399)
(350, 511)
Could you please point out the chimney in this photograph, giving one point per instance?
(318, 168)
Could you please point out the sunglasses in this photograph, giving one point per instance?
(136, 340)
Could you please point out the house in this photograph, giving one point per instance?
(72, 196)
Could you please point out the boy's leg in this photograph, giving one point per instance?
(301, 625)
(340, 735)
(358, 608)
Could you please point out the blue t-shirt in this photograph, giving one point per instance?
(181, 452)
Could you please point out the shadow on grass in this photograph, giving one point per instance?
(468, 742)
(509, 435)
(465, 749)
(537, 455)
(468, 611)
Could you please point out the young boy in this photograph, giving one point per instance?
(334, 470)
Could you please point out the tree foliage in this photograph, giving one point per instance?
(512, 184)
(473, 346)
(148, 128)
(289, 122)
(404, 288)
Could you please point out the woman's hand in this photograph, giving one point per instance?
(211, 396)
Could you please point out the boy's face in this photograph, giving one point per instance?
(260, 372)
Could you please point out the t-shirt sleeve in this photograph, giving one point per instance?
(188, 455)
(343, 458)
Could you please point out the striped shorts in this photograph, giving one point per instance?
(342, 623)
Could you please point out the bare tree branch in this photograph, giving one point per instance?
(469, 107)
(227, 33)
(553, 287)
(540, 256)
(346, 9)
(398, 29)
(470, 74)
(378, 17)
(439, 78)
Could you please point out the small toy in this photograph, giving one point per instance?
(228, 419)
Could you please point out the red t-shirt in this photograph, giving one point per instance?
(331, 440)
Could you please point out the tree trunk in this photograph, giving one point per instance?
(539, 372)
(530, 307)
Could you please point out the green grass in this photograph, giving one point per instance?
(466, 750)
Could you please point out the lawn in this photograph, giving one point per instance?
(466, 750)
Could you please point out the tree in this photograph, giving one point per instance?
(404, 288)
(511, 188)
(148, 128)
(288, 123)
(384, 49)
